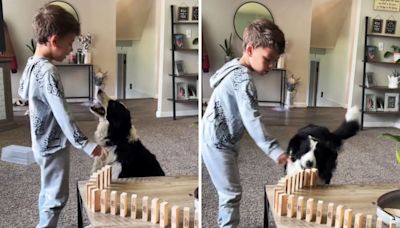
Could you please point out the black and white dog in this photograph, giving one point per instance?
(316, 147)
(115, 132)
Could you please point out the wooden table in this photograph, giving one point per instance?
(174, 190)
(360, 198)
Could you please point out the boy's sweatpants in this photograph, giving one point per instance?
(54, 187)
(224, 172)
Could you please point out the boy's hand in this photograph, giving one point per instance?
(283, 159)
(98, 151)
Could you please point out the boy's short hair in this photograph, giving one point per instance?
(53, 20)
(264, 33)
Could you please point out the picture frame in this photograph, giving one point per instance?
(182, 91)
(192, 91)
(369, 79)
(387, 5)
(179, 40)
(179, 69)
(183, 13)
(371, 53)
(377, 25)
(370, 102)
(195, 13)
(380, 103)
(391, 102)
(390, 27)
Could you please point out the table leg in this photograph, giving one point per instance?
(79, 200)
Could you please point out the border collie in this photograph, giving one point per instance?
(316, 147)
(115, 132)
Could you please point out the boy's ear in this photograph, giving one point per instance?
(249, 49)
(52, 40)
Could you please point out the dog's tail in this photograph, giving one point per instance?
(351, 125)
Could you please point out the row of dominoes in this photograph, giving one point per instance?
(305, 178)
(106, 201)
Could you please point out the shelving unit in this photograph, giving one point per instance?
(282, 94)
(378, 89)
(186, 77)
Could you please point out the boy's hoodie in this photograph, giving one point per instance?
(233, 106)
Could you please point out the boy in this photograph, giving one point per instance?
(233, 106)
(51, 126)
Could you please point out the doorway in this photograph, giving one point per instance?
(121, 79)
(313, 86)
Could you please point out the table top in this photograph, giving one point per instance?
(174, 190)
(360, 198)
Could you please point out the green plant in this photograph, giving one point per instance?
(227, 47)
(31, 46)
(396, 49)
(395, 138)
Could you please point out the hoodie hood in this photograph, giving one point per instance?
(224, 71)
(23, 89)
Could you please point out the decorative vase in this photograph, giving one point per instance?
(289, 99)
(393, 82)
(88, 58)
(281, 62)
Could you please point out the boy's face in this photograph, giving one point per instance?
(61, 46)
(261, 59)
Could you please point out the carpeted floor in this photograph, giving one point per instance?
(365, 158)
(174, 143)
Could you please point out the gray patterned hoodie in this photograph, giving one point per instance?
(51, 124)
(233, 106)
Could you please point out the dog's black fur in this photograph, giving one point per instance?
(134, 158)
(328, 144)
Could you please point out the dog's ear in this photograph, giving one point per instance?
(298, 145)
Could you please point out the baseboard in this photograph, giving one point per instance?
(178, 113)
(381, 124)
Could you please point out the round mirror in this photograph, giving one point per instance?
(68, 7)
(247, 13)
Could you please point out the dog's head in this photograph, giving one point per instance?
(115, 120)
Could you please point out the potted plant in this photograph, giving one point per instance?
(31, 46)
(395, 138)
(395, 53)
(227, 47)
(99, 79)
(393, 79)
(291, 87)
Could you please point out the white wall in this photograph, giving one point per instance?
(97, 18)
(293, 17)
(164, 107)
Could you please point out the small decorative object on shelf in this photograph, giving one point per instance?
(391, 102)
(291, 84)
(183, 13)
(86, 41)
(195, 13)
(377, 25)
(179, 68)
(99, 80)
(393, 79)
(369, 79)
(182, 90)
(281, 62)
(178, 40)
(371, 53)
(370, 102)
(395, 53)
(192, 91)
(390, 27)
(380, 103)
(79, 56)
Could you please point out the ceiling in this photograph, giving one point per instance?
(131, 19)
(328, 17)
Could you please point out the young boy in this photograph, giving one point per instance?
(51, 126)
(233, 106)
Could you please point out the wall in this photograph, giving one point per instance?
(98, 19)
(380, 71)
(164, 107)
(293, 17)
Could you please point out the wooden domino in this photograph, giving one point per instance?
(175, 217)
(95, 200)
(133, 206)
(276, 199)
(123, 204)
(289, 185)
(392, 224)
(291, 207)
(145, 208)
(89, 188)
(301, 185)
(379, 222)
(310, 210)
(307, 176)
(348, 218)
(293, 190)
(319, 213)
(300, 208)
(155, 210)
(164, 214)
(359, 220)
(330, 214)
(297, 181)
(282, 204)
(313, 177)
(186, 217)
(339, 216)
(105, 201)
(114, 202)
(196, 219)
(98, 173)
(101, 177)
(368, 222)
